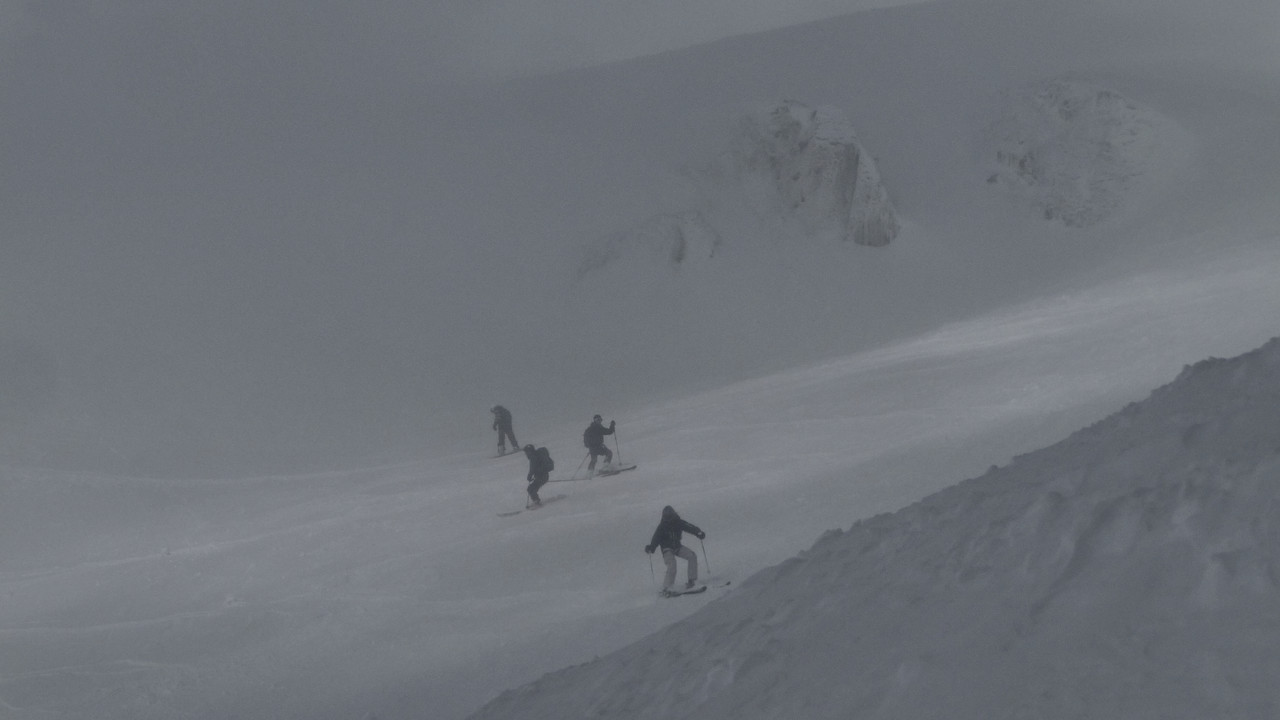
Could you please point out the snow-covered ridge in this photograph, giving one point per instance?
(1126, 571)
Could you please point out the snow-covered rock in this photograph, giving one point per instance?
(1078, 152)
(1127, 571)
(789, 170)
(806, 164)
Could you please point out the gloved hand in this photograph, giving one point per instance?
(702, 536)
(613, 424)
(648, 549)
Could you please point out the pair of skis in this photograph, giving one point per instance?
(551, 499)
(601, 473)
(695, 590)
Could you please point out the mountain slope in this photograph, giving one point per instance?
(1124, 571)
(221, 273)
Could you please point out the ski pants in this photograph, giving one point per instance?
(669, 557)
(504, 432)
(599, 450)
(536, 484)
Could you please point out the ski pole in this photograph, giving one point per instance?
(575, 470)
(705, 560)
(617, 446)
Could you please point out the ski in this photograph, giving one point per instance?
(615, 471)
(674, 592)
(600, 473)
(551, 499)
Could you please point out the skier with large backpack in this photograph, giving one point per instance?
(667, 537)
(540, 467)
(593, 439)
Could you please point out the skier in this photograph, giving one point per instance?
(502, 423)
(667, 537)
(593, 438)
(540, 467)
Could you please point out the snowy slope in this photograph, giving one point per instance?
(311, 321)
(1127, 571)
(398, 592)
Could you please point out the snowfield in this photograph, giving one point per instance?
(1128, 570)
(927, 470)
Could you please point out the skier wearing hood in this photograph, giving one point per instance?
(540, 467)
(502, 423)
(667, 537)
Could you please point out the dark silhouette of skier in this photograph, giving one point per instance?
(593, 438)
(540, 467)
(667, 537)
(502, 423)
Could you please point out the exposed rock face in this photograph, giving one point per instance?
(1078, 153)
(808, 165)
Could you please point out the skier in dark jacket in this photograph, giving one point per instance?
(593, 438)
(539, 472)
(667, 537)
(502, 423)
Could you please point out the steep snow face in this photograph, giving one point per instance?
(1127, 571)
(1078, 152)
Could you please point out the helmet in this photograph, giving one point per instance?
(596, 418)
(528, 448)
(669, 513)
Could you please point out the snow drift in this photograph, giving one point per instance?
(1127, 571)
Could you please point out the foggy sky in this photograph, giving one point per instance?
(241, 236)
(442, 40)
(245, 235)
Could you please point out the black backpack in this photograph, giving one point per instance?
(544, 458)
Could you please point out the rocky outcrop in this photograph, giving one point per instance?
(807, 164)
(788, 171)
(1078, 153)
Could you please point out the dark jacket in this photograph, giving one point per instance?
(670, 529)
(501, 417)
(593, 436)
(539, 463)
